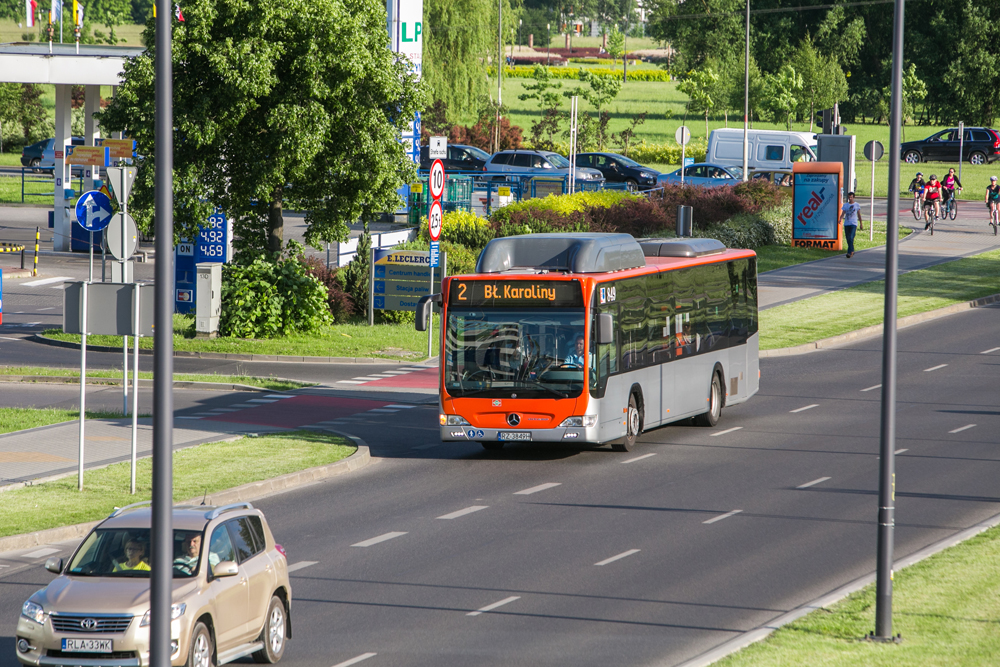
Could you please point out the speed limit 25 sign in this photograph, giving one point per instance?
(434, 220)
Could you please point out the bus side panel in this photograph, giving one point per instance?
(753, 365)
(611, 409)
(736, 375)
(668, 398)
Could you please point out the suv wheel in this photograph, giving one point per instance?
(201, 654)
(631, 185)
(977, 158)
(273, 634)
(911, 157)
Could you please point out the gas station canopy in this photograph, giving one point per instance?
(94, 65)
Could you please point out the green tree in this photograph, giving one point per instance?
(699, 86)
(719, 31)
(603, 88)
(302, 107)
(823, 80)
(110, 14)
(780, 95)
(542, 88)
(616, 44)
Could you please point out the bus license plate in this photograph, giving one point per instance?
(515, 435)
(87, 645)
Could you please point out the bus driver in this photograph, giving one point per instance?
(576, 358)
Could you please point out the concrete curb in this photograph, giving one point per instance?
(178, 384)
(876, 330)
(246, 492)
(834, 596)
(39, 338)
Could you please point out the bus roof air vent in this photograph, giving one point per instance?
(575, 253)
(685, 247)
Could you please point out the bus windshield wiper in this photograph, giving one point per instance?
(547, 388)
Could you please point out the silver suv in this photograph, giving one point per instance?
(231, 594)
(536, 163)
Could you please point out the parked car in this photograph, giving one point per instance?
(48, 162)
(704, 174)
(231, 594)
(460, 158)
(782, 177)
(40, 156)
(981, 145)
(535, 163)
(619, 169)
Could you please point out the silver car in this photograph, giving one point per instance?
(520, 163)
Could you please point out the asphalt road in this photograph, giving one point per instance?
(652, 557)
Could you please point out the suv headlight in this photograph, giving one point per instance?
(176, 611)
(33, 611)
(586, 421)
(452, 420)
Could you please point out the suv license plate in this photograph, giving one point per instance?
(87, 645)
(514, 435)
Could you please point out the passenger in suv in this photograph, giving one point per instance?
(230, 600)
(535, 163)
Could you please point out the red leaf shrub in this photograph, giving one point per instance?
(480, 135)
(339, 302)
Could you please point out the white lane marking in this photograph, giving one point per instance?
(638, 458)
(242, 406)
(963, 428)
(9, 338)
(900, 451)
(624, 554)
(992, 349)
(430, 446)
(376, 540)
(49, 308)
(262, 400)
(463, 512)
(395, 372)
(41, 553)
(46, 281)
(355, 660)
(808, 407)
(277, 396)
(301, 564)
(812, 483)
(934, 368)
(878, 386)
(728, 430)
(186, 417)
(228, 409)
(382, 410)
(400, 407)
(491, 607)
(723, 516)
(536, 489)
(349, 382)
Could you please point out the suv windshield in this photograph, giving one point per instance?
(125, 553)
(558, 161)
(496, 353)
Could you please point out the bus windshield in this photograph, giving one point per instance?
(515, 353)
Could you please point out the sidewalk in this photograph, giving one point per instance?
(969, 234)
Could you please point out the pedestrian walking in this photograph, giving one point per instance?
(852, 218)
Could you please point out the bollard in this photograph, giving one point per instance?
(685, 221)
(34, 271)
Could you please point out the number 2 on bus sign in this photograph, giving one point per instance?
(434, 220)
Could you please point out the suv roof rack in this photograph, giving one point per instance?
(121, 510)
(214, 513)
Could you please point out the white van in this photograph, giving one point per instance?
(769, 149)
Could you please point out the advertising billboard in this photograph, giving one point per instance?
(816, 202)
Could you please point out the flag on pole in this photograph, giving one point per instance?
(56, 12)
(177, 12)
(79, 14)
(31, 7)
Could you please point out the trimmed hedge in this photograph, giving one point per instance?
(754, 230)
(461, 227)
(528, 72)
(560, 204)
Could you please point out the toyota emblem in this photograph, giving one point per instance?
(88, 623)
(513, 419)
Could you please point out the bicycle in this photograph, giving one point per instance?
(929, 216)
(916, 207)
(994, 216)
(949, 209)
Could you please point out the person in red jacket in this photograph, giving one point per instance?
(932, 195)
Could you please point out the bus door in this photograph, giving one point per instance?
(605, 376)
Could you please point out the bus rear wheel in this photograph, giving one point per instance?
(492, 446)
(633, 427)
(711, 418)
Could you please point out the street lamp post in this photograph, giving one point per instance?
(746, 96)
(548, 42)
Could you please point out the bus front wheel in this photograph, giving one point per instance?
(711, 418)
(633, 426)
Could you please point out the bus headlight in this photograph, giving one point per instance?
(452, 420)
(586, 421)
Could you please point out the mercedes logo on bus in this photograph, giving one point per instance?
(513, 419)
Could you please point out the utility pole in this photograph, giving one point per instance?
(746, 99)
(496, 130)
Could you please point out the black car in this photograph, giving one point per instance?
(460, 158)
(981, 145)
(619, 169)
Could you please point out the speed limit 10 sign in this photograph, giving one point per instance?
(437, 179)
(434, 220)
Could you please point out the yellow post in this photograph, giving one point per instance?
(34, 271)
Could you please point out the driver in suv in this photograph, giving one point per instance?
(230, 600)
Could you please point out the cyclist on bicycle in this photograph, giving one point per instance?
(932, 197)
(950, 182)
(917, 187)
(993, 198)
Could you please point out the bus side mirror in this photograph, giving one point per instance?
(605, 329)
(424, 309)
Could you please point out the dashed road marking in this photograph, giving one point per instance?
(375, 540)
(812, 483)
(624, 554)
(723, 516)
(808, 407)
(934, 368)
(46, 281)
(350, 381)
(491, 607)
(301, 564)
(463, 512)
(900, 451)
(401, 407)
(872, 388)
(638, 458)
(963, 428)
(536, 489)
(728, 430)
(277, 396)
(355, 660)
(992, 349)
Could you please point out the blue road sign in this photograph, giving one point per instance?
(688, 161)
(435, 254)
(93, 210)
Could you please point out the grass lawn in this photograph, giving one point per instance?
(271, 384)
(9, 32)
(946, 608)
(19, 419)
(389, 341)
(38, 188)
(197, 470)
(774, 257)
(861, 306)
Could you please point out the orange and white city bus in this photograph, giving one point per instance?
(593, 338)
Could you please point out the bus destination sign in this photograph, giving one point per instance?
(512, 293)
